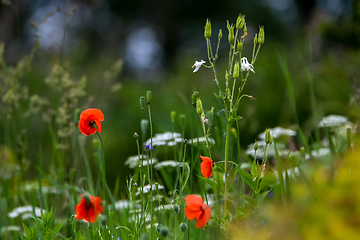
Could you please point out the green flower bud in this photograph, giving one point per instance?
(267, 136)
(261, 35)
(302, 151)
(240, 22)
(182, 120)
(164, 230)
(176, 208)
(136, 135)
(231, 36)
(226, 75)
(199, 107)
(245, 28)
(234, 132)
(220, 33)
(207, 32)
(271, 139)
(256, 146)
(172, 116)
(255, 39)
(228, 93)
(144, 124)
(240, 46)
(142, 103)
(183, 227)
(236, 70)
(148, 96)
(193, 99)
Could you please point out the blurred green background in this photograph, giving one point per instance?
(158, 42)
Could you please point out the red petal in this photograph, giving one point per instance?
(191, 213)
(204, 217)
(193, 206)
(92, 111)
(205, 166)
(85, 128)
(193, 199)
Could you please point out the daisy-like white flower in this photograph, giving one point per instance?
(246, 66)
(197, 65)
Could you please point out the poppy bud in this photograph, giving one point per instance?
(199, 107)
(267, 136)
(148, 96)
(182, 120)
(302, 151)
(240, 46)
(172, 116)
(231, 37)
(144, 124)
(183, 227)
(220, 33)
(255, 39)
(261, 35)
(193, 99)
(234, 132)
(207, 32)
(176, 208)
(164, 230)
(256, 146)
(136, 135)
(236, 70)
(240, 22)
(142, 102)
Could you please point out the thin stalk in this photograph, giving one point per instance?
(151, 170)
(227, 147)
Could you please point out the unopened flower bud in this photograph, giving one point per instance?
(236, 70)
(207, 32)
(231, 37)
(302, 151)
(255, 39)
(172, 116)
(164, 230)
(136, 135)
(220, 33)
(234, 132)
(176, 208)
(199, 107)
(183, 227)
(196, 93)
(182, 120)
(271, 139)
(267, 136)
(261, 35)
(256, 146)
(157, 186)
(240, 22)
(193, 99)
(144, 124)
(142, 103)
(240, 46)
(148, 96)
(245, 28)
(228, 93)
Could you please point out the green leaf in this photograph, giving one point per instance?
(247, 179)
(218, 96)
(264, 182)
(262, 196)
(212, 183)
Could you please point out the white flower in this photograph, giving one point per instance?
(197, 65)
(246, 66)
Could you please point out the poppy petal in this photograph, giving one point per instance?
(191, 214)
(204, 217)
(92, 111)
(85, 128)
(98, 125)
(193, 199)
(205, 167)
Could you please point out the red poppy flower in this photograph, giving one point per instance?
(90, 121)
(89, 209)
(195, 208)
(206, 168)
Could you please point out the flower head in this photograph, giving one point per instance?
(197, 65)
(90, 121)
(195, 208)
(246, 66)
(206, 166)
(89, 208)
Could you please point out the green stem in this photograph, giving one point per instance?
(227, 147)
